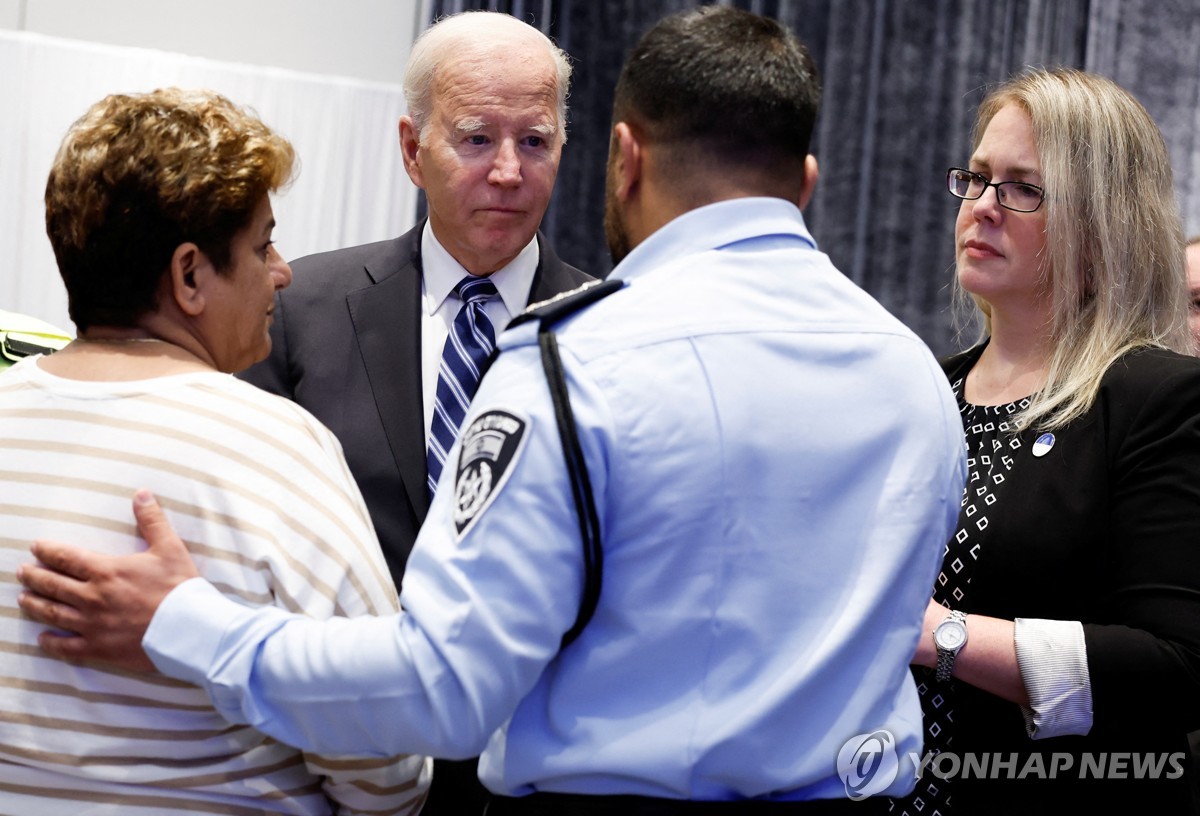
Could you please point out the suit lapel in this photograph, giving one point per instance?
(553, 277)
(387, 324)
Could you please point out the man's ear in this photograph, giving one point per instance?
(810, 180)
(190, 271)
(410, 149)
(627, 159)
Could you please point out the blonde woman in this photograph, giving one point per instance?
(1062, 644)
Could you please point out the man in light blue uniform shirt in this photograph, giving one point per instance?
(776, 464)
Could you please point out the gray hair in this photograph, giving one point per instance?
(472, 31)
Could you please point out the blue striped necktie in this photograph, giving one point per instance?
(470, 341)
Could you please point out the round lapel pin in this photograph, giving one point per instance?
(1043, 444)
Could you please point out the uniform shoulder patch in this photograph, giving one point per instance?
(567, 303)
(491, 444)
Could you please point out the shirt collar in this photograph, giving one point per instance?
(714, 226)
(441, 273)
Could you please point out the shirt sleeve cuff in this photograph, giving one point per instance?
(1052, 657)
(184, 635)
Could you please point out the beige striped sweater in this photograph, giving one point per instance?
(260, 492)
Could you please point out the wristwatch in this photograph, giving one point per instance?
(949, 637)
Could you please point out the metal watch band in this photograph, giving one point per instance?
(945, 661)
(945, 665)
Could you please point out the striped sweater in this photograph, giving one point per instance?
(261, 494)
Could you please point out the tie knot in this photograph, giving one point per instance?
(475, 290)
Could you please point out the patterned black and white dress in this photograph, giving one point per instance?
(991, 444)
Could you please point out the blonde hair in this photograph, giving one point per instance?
(472, 32)
(1114, 261)
(138, 175)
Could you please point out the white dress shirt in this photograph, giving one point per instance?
(440, 273)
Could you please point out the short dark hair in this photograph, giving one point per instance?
(736, 86)
(138, 175)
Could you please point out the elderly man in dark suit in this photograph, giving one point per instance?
(359, 338)
(366, 337)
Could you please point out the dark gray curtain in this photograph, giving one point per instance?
(901, 81)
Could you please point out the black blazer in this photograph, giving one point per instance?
(346, 344)
(1103, 529)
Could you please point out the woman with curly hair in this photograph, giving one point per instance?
(158, 208)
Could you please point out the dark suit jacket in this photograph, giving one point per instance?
(346, 344)
(1103, 529)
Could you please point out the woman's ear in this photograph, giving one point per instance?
(190, 269)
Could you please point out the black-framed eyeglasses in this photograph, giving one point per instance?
(1017, 196)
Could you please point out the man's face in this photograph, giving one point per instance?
(490, 152)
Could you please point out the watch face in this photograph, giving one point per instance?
(950, 635)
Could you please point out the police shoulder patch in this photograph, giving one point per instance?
(567, 303)
(490, 446)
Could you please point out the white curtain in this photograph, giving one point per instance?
(351, 188)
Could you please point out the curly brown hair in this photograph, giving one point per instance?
(140, 174)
